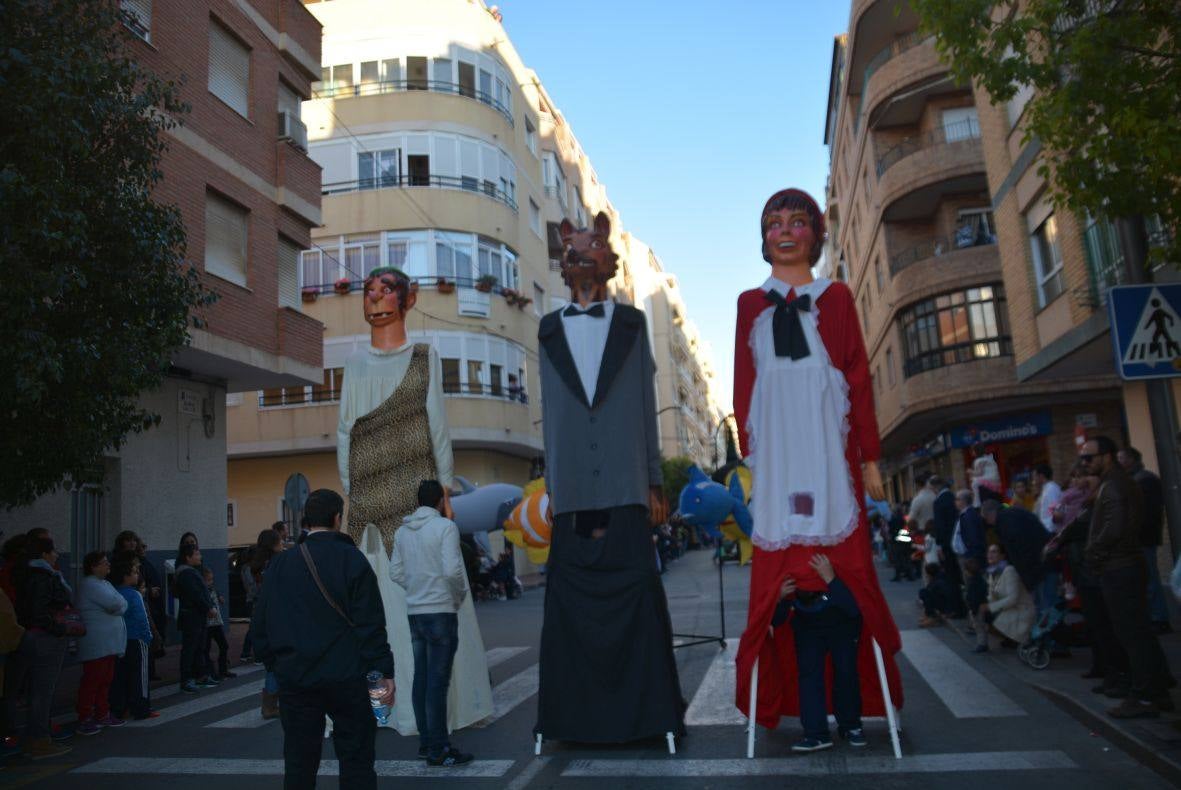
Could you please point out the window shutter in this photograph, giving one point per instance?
(289, 102)
(229, 69)
(141, 16)
(225, 239)
(288, 276)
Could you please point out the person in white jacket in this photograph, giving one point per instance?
(102, 608)
(427, 564)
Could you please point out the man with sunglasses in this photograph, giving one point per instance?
(1114, 556)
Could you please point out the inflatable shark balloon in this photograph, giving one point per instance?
(483, 508)
(707, 504)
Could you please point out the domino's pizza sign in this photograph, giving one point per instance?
(1146, 330)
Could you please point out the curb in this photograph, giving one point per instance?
(1146, 754)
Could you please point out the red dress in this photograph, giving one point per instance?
(852, 559)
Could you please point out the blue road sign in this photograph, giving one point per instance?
(1146, 330)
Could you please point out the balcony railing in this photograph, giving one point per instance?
(937, 248)
(465, 183)
(425, 281)
(294, 396)
(895, 48)
(330, 91)
(454, 389)
(967, 129)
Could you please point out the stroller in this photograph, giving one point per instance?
(1036, 650)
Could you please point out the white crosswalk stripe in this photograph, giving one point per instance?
(965, 692)
(498, 655)
(511, 693)
(713, 704)
(201, 703)
(221, 766)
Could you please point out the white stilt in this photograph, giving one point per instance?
(891, 717)
(754, 696)
(672, 745)
(537, 745)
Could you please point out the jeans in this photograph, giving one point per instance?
(812, 644)
(1158, 610)
(248, 640)
(434, 638)
(302, 712)
(39, 660)
(270, 683)
(192, 640)
(1107, 654)
(1124, 593)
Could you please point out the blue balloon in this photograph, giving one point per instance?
(707, 504)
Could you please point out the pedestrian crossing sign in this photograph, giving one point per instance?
(1146, 330)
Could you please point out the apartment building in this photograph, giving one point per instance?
(249, 195)
(944, 273)
(442, 154)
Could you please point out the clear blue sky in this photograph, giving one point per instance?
(693, 114)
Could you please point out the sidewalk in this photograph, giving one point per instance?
(1155, 742)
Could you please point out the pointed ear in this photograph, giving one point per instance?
(566, 229)
(602, 224)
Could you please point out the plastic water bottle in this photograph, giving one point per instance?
(381, 711)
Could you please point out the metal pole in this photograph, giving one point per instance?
(722, 602)
(1161, 408)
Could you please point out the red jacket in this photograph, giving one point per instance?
(840, 331)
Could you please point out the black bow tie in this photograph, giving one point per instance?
(786, 326)
(594, 311)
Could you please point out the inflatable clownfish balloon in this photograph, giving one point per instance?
(528, 526)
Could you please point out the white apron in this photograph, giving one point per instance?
(798, 424)
(469, 698)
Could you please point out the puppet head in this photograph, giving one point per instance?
(388, 297)
(792, 228)
(587, 260)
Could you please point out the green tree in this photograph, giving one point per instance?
(1106, 107)
(676, 476)
(96, 294)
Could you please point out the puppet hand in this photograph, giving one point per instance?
(873, 481)
(657, 509)
(788, 588)
(823, 567)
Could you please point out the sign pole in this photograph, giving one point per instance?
(1161, 409)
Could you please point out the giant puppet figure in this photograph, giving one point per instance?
(607, 671)
(392, 435)
(803, 400)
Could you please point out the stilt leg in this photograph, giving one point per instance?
(537, 745)
(672, 745)
(891, 718)
(754, 696)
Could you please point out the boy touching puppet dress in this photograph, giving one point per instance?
(803, 401)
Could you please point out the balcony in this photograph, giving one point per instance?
(332, 91)
(888, 53)
(936, 248)
(417, 180)
(966, 130)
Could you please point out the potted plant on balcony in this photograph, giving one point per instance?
(523, 302)
(309, 293)
(445, 286)
(342, 286)
(509, 295)
(485, 282)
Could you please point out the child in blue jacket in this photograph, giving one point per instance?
(129, 692)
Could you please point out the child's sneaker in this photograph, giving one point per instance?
(811, 744)
(453, 757)
(854, 737)
(111, 720)
(88, 727)
(207, 683)
(190, 687)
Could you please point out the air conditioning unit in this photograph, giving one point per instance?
(293, 130)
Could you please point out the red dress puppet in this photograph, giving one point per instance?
(803, 401)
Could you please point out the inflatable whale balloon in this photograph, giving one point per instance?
(483, 508)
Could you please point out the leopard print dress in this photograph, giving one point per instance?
(390, 453)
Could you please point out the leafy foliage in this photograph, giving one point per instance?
(675, 471)
(1106, 107)
(96, 294)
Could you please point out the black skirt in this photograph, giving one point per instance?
(607, 672)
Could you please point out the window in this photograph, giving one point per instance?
(890, 370)
(138, 17)
(450, 375)
(418, 167)
(229, 69)
(467, 80)
(960, 123)
(328, 391)
(360, 258)
(1047, 261)
(379, 169)
(391, 70)
(288, 273)
(289, 101)
(555, 179)
(495, 386)
(312, 269)
(475, 364)
(475, 376)
(1105, 258)
(534, 217)
(956, 327)
(369, 73)
(342, 77)
(225, 239)
(974, 226)
(416, 79)
(441, 75)
(531, 137)
(538, 299)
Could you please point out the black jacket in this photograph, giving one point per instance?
(974, 535)
(1116, 524)
(1154, 507)
(945, 517)
(191, 592)
(836, 607)
(1022, 536)
(297, 633)
(41, 594)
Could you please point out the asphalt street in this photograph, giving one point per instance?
(968, 722)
